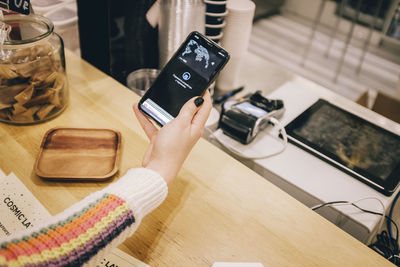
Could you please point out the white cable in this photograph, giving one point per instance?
(236, 152)
(328, 205)
(382, 218)
(354, 202)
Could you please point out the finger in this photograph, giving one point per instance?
(200, 118)
(188, 110)
(146, 124)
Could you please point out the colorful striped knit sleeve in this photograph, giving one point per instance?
(91, 228)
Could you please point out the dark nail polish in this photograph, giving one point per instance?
(198, 101)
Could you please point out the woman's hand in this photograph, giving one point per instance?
(170, 145)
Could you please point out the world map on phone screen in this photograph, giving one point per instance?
(186, 75)
(200, 59)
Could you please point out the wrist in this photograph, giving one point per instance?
(164, 171)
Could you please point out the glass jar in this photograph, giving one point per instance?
(33, 82)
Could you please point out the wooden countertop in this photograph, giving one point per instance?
(216, 210)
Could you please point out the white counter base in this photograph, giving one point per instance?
(311, 180)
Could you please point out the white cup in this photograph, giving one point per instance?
(216, 38)
(238, 26)
(230, 78)
(216, 26)
(217, 14)
(215, 2)
(235, 39)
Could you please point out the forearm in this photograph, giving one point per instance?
(89, 229)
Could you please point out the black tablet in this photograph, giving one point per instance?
(358, 147)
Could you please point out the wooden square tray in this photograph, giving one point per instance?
(78, 153)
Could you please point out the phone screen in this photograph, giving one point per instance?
(190, 71)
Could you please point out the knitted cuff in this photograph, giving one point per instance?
(142, 188)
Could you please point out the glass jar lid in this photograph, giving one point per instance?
(33, 27)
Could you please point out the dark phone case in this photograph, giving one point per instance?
(174, 57)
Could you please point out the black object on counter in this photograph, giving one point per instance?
(23, 6)
(141, 39)
(251, 114)
(213, 31)
(350, 143)
(116, 37)
(214, 20)
(215, 8)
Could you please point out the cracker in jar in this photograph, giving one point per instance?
(27, 116)
(31, 84)
(42, 50)
(21, 55)
(41, 75)
(7, 93)
(27, 69)
(5, 106)
(44, 111)
(51, 78)
(4, 114)
(58, 90)
(40, 99)
(25, 95)
(8, 71)
(18, 109)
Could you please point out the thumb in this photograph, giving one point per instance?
(190, 108)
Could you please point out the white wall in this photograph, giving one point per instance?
(308, 9)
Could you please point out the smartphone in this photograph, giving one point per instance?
(189, 72)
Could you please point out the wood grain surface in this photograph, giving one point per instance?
(78, 153)
(216, 210)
